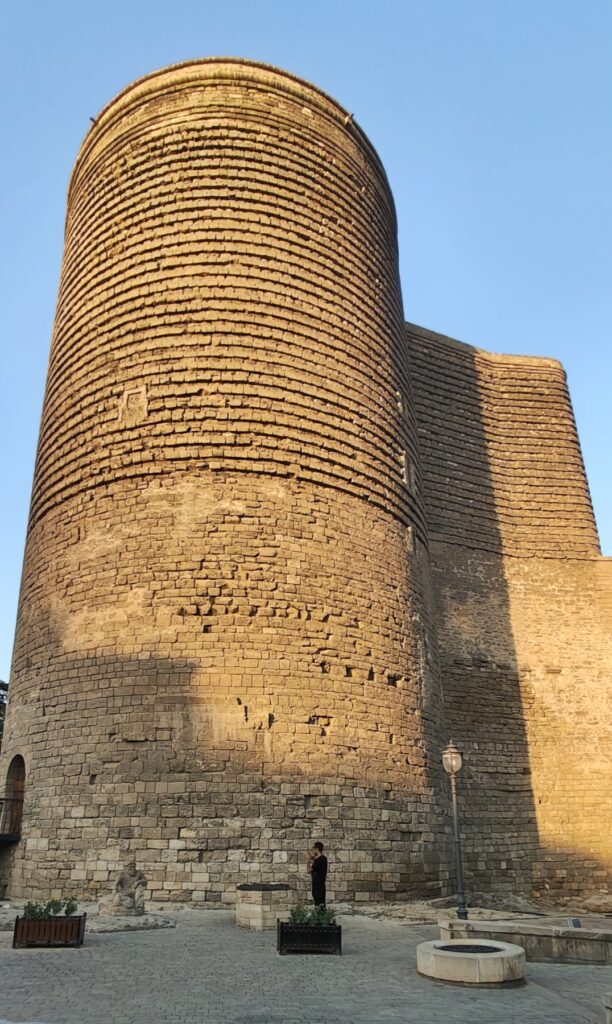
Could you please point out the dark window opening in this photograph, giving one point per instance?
(11, 801)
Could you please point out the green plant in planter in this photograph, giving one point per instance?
(54, 908)
(322, 917)
(315, 916)
(299, 914)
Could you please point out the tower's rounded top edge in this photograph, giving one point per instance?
(210, 65)
(219, 69)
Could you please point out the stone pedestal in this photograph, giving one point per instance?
(260, 904)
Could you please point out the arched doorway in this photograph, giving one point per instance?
(13, 799)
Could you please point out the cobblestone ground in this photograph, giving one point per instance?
(207, 971)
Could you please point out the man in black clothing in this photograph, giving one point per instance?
(317, 865)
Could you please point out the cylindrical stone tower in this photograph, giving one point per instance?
(223, 646)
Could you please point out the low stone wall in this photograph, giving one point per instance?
(541, 941)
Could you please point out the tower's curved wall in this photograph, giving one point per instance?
(222, 649)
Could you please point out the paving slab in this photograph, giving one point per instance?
(208, 971)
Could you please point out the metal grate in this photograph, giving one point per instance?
(470, 947)
(10, 818)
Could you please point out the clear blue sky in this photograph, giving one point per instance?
(492, 118)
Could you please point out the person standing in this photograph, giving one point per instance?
(317, 866)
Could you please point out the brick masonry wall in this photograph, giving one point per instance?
(224, 645)
(561, 612)
(264, 527)
(523, 616)
(500, 452)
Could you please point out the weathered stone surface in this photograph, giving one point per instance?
(439, 960)
(599, 903)
(224, 646)
(260, 909)
(129, 895)
(523, 617)
(541, 939)
(282, 545)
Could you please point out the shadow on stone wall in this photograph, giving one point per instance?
(151, 757)
(194, 791)
(505, 492)
(197, 799)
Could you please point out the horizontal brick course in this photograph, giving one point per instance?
(222, 645)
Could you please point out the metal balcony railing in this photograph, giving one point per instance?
(11, 808)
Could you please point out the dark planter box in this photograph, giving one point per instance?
(49, 931)
(308, 938)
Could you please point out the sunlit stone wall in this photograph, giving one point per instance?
(224, 645)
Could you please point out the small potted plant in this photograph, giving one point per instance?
(309, 931)
(55, 923)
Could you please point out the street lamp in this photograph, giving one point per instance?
(452, 759)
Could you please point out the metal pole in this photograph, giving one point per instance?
(462, 911)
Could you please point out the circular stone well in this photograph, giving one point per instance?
(472, 963)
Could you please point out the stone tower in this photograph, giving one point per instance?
(224, 641)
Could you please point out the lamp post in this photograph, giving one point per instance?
(452, 759)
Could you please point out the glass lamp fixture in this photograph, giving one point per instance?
(452, 759)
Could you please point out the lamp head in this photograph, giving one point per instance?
(452, 759)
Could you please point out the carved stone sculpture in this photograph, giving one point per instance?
(128, 897)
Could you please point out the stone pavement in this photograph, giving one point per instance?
(207, 971)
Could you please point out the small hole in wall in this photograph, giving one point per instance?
(393, 679)
(238, 701)
(246, 712)
(92, 779)
(370, 675)
(348, 671)
(270, 721)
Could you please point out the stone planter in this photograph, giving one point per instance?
(308, 938)
(49, 931)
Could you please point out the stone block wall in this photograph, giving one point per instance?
(523, 616)
(224, 648)
(193, 694)
(261, 910)
(283, 546)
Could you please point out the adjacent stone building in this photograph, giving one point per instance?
(282, 545)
